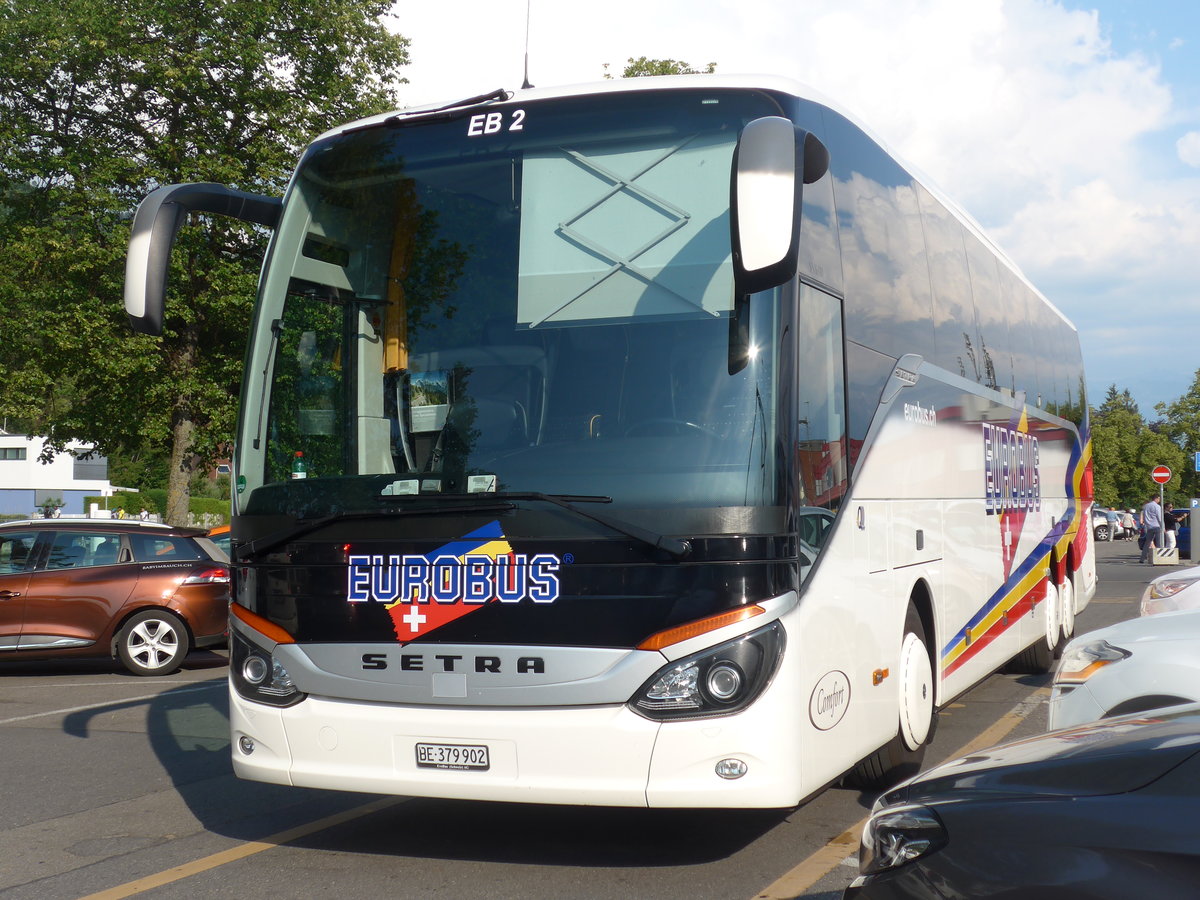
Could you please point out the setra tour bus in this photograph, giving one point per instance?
(660, 442)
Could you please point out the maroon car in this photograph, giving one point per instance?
(141, 592)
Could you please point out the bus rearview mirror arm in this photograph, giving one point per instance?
(772, 162)
(155, 226)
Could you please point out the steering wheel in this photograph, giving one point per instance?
(667, 427)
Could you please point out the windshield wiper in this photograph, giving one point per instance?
(490, 502)
(254, 548)
(441, 113)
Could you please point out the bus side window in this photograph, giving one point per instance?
(824, 466)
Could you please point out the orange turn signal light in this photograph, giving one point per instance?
(700, 626)
(263, 626)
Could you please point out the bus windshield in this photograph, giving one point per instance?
(533, 298)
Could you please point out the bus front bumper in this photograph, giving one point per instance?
(594, 756)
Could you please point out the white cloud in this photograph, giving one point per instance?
(1188, 147)
(995, 99)
(1022, 110)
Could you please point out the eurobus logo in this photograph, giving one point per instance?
(423, 593)
(1012, 469)
(1012, 481)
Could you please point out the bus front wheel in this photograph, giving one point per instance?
(901, 757)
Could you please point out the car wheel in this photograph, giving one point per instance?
(1102, 532)
(901, 757)
(153, 642)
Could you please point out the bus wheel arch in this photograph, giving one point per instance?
(918, 673)
(901, 756)
(921, 599)
(1038, 658)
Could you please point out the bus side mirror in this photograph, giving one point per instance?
(772, 162)
(155, 225)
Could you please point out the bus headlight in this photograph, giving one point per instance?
(257, 675)
(717, 681)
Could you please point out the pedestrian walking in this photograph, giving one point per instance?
(1128, 524)
(1152, 524)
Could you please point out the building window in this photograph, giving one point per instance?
(91, 468)
(12, 453)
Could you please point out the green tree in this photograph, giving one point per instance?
(635, 68)
(1125, 449)
(1116, 429)
(99, 104)
(1181, 423)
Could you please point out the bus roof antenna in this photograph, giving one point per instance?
(525, 85)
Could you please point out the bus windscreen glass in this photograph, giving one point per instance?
(533, 299)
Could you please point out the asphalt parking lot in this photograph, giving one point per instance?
(121, 786)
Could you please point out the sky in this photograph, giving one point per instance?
(1069, 130)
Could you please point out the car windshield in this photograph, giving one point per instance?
(544, 308)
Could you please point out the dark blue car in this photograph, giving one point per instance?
(1105, 811)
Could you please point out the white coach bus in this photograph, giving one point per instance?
(660, 442)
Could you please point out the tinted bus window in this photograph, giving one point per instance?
(883, 250)
(956, 335)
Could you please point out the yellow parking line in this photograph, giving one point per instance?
(233, 854)
(819, 864)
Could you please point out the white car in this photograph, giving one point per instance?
(1106, 524)
(1130, 667)
(1176, 590)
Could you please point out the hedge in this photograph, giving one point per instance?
(203, 512)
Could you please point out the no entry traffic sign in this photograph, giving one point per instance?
(1160, 474)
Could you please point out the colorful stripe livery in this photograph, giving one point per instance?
(1026, 586)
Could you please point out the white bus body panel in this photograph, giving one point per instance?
(601, 756)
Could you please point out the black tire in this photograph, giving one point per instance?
(153, 642)
(898, 759)
(1038, 658)
(1102, 532)
(1066, 617)
(1035, 660)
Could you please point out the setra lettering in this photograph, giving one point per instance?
(491, 665)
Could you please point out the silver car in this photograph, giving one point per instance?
(1133, 666)
(1176, 590)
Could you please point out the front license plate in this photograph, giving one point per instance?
(453, 756)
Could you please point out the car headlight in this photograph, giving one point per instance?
(898, 835)
(1079, 663)
(1160, 593)
(717, 681)
(258, 675)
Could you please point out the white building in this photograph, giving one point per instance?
(26, 483)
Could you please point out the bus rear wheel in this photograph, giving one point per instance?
(1038, 659)
(1066, 616)
(901, 757)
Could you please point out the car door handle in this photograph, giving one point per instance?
(8, 595)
